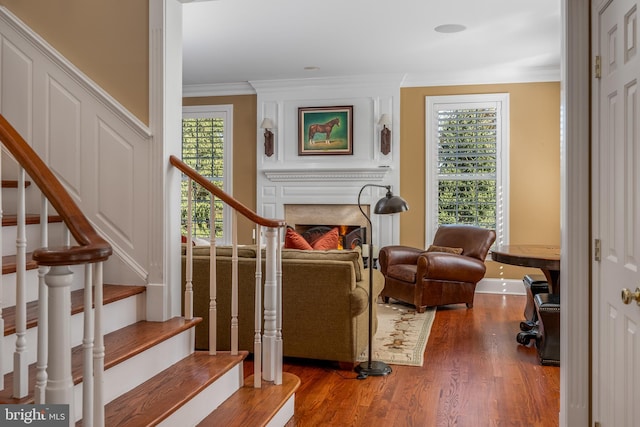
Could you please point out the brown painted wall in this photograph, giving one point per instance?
(244, 151)
(534, 193)
(107, 40)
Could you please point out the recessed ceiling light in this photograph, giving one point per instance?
(311, 68)
(450, 28)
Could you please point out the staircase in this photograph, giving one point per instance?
(152, 375)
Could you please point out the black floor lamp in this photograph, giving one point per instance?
(389, 204)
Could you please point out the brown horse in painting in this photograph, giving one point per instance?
(323, 128)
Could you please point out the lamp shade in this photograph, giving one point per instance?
(390, 204)
(267, 123)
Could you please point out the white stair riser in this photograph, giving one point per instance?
(285, 413)
(9, 234)
(8, 295)
(33, 197)
(116, 315)
(196, 409)
(129, 374)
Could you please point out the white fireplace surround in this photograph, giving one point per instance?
(330, 187)
(287, 178)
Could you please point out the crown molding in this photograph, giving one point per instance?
(484, 76)
(218, 89)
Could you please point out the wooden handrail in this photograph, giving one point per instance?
(229, 200)
(91, 246)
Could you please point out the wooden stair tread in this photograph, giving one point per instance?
(9, 263)
(160, 396)
(119, 346)
(12, 219)
(111, 293)
(251, 406)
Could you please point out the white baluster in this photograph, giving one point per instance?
(60, 382)
(98, 349)
(279, 351)
(213, 287)
(87, 350)
(257, 340)
(270, 297)
(43, 308)
(20, 364)
(188, 289)
(234, 283)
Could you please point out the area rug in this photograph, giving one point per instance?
(402, 334)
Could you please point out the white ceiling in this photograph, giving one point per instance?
(239, 41)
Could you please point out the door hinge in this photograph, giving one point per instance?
(598, 68)
(597, 251)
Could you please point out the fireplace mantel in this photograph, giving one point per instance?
(323, 174)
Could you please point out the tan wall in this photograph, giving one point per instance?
(244, 151)
(534, 208)
(107, 40)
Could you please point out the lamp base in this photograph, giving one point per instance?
(375, 369)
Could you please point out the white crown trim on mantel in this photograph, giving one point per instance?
(306, 175)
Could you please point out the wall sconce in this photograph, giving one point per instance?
(267, 125)
(385, 133)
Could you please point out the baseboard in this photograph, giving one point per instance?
(501, 286)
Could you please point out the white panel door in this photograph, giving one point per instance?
(616, 189)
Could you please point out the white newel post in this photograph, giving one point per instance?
(270, 307)
(60, 382)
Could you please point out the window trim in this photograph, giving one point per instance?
(224, 112)
(433, 103)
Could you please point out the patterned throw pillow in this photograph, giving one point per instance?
(435, 248)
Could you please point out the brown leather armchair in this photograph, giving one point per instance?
(433, 277)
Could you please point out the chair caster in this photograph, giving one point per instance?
(524, 337)
(527, 325)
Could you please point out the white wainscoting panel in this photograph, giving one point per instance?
(16, 87)
(100, 151)
(63, 135)
(116, 183)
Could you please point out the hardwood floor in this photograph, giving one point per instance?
(475, 374)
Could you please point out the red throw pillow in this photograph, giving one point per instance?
(293, 240)
(328, 240)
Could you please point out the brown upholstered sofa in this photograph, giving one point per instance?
(324, 299)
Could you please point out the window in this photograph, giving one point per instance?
(467, 162)
(206, 147)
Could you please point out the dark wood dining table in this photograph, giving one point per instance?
(544, 257)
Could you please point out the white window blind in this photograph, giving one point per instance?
(205, 138)
(465, 152)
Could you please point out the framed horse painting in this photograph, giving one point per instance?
(325, 130)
